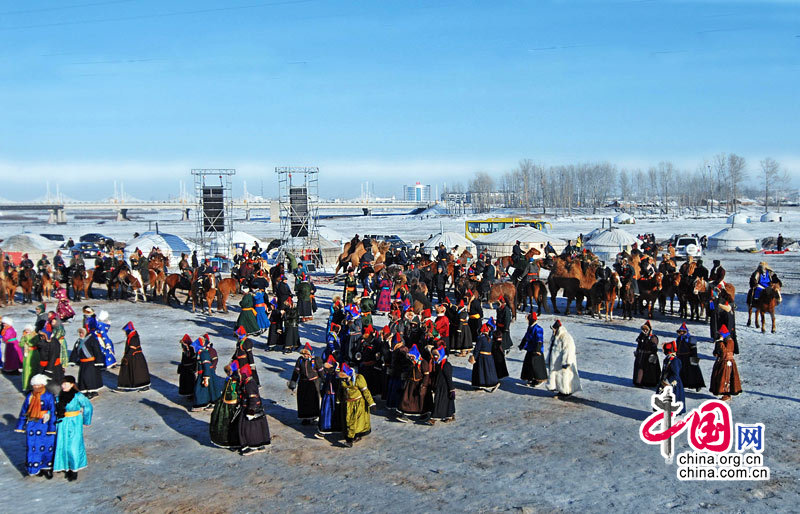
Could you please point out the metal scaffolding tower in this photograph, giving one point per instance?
(213, 190)
(299, 211)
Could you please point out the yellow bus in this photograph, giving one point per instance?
(476, 228)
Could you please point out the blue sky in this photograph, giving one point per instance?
(388, 91)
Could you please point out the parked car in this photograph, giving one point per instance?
(59, 238)
(94, 237)
(395, 241)
(688, 246)
(87, 250)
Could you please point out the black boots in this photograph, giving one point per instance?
(71, 476)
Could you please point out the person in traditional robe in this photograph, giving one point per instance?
(671, 374)
(305, 290)
(208, 385)
(475, 316)
(291, 319)
(223, 427)
(398, 365)
(330, 419)
(63, 309)
(37, 420)
(12, 363)
(367, 306)
(503, 321)
(306, 378)
(416, 386)
(247, 316)
(646, 369)
(50, 359)
(356, 402)
(60, 335)
(243, 354)
(444, 394)
(462, 335)
(260, 305)
(564, 376)
(275, 335)
(725, 374)
(90, 360)
(30, 359)
(370, 360)
(484, 374)
(253, 429)
(499, 340)
(103, 325)
(350, 286)
(534, 369)
(134, 374)
(187, 369)
(691, 374)
(73, 412)
(384, 293)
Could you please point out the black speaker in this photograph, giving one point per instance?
(213, 209)
(298, 200)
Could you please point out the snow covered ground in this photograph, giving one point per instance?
(516, 449)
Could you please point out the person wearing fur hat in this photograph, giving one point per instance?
(564, 376)
(134, 374)
(37, 420)
(243, 354)
(356, 404)
(223, 430)
(444, 394)
(187, 369)
(306, 377)
(671, 374)
(30, 359)
(253, 429)
(291, 319)
(88, 356)
(646, 369)
(484, 373)
(686, 346)
(725, 374)
(41, 316)
(12, 361)
(89, 318)
(534, 369)
(103, 325)
(73, 412)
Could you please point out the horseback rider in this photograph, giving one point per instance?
(353, 245)
(761, 279)
(43, 264)
(666, 266)
(76, 263)
(701, 271)
(26, 263)
(549, 250)
(488, 277)
(646, 269)
(183, 265)
(58, 264)
(441, 253)
(402, 257)
(627, 274)
(517, 255)
(717, 274)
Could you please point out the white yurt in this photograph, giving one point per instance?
(32, 244)
(738, 219)
(170, 245)
(328, 250)
(609, 242)
(450, 239)
(624, 218)
(771, 217)
(732, 239)
(501, 242)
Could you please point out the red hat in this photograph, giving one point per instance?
(331, 362)
(502, 299)
(128, 327)
(386, 330)
(335, 326)
(533, 316)
(186, 339)
(368, 330)
(557, 324)
(426, 313)
(683, 328)
(240, 332)
(670, 347)
(307, 348)
(461, 303)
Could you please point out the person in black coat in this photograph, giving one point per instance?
(503, 320)
(282, 290)
(133, 372)
(49, 363)
(646, 368)
(444, 394)
(691, 374)
(534, 368)
(187, 369)
(484, 374)
(306, 378)
(243, 354)
(91, 361)
(252, 424)
(475, 316)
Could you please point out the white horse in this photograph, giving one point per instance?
(135, 281)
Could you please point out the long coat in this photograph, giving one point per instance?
(89, 357)
(260, 306)
(671, 376)
(133, 371)
(330, 418)
(562, 353)
(291, 335)
(461, 332)
(484, 373)
(208, 385)
(725, 374)
(444, 403)
(40, 434)
(533, 366)
(356, 400)
(646, 370)
(304, 291)
(307, 375)
(384, 295)
(247, 318)
(416, 387)
(691, 374)
(223, 428)
(70, 450)
(187, 370)
(253, 429)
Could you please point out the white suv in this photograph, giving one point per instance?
(688, 246)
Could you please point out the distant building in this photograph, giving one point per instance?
(417, 193)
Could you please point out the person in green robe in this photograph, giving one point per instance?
(73, 412)
(30, 361)
(367, 308)
(223, 429)
(357, 401)
(247, 318)
(60, 335)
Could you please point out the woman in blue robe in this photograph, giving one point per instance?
(73, 411)
(330, 414)
(106, 344)
(37, 420)
(261, 310)
(208, 386)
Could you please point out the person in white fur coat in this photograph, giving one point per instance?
(563, 366)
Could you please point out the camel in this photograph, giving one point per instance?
(576, 278)
(347, 259)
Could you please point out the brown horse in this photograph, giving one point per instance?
(79, 284)
(45, 289)
(462, 261)
(209, 292)
(649, 289)
(506, 261)
(628, 298)
(225, 288)
(702, 289)
(533, 290)
(603, 295)
(173, 282)
(766, 302)
(506, 289)
(347, 259)
(25, 282)
(669, 290)
(10, 285)
(158, 263)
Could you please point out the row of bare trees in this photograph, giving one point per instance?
(714, 184)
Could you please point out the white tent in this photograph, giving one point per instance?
(450, 239)
(501, 242)
(170, 245)
(624, 218)
(608, 243)
(771, 217)
(32, 244)
(731, 239)
(738, 219)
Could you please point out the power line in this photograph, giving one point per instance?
(162, 15)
